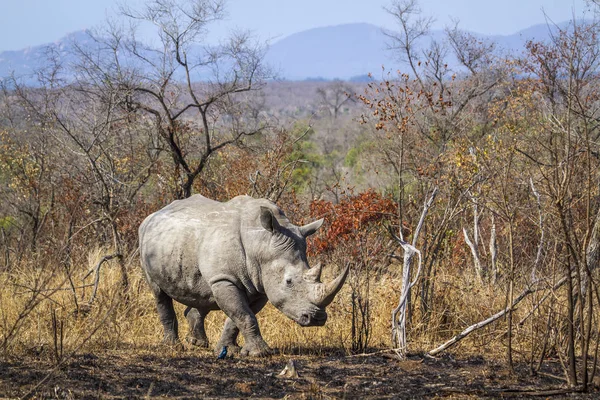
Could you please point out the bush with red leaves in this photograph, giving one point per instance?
(350, 220)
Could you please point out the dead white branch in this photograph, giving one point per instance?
(423, 215)
(475, 253)
(399, 323)
(493, 250)
(538, 256)
(399, 313)
(474, 244)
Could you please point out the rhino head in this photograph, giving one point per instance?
(289, 283)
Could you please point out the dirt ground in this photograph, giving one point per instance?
(129, 374)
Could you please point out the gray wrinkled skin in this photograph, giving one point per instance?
(233, 256)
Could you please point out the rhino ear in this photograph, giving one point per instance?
(311, 228)
(267, 220)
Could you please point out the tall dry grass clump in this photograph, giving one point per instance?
(50, 312)
(47, 314)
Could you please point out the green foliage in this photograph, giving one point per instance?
(305, 158)
(352, 157)
(356, 155)
(7, 222)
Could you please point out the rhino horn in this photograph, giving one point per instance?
(325, 292)
(314, 274)
(311, 228)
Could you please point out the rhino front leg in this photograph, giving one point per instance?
(197, 335)
(228, 337)
(234, 303)
(231, 331)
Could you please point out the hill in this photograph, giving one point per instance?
(348, 51)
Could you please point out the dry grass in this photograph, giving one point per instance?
(112, 348)
(111, 322)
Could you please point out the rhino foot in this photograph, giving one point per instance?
(257, 351)
(200, 342)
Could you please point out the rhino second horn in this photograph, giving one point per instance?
(325, 292)
(314, 274)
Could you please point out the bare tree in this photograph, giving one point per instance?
(413, 27)
(194, 92)
(564, 84)
(334, 96)
(24, 154)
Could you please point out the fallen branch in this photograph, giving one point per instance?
(538, 393)
(531, 289)
(530, 313)
(375, 353)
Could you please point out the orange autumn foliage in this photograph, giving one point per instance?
(349, 220)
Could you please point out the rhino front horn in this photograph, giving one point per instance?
(325, 292)
(314, 273)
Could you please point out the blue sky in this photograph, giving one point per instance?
(26, 23)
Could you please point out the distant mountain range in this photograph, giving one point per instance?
(347, 52)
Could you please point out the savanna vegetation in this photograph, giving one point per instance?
(465, 199)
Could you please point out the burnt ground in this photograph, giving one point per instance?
(129, 374)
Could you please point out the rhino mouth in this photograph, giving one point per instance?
(315, 319)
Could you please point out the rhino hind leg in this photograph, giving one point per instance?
(168, 319)
(197, 335)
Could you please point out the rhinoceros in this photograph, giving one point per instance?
(233, 256)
